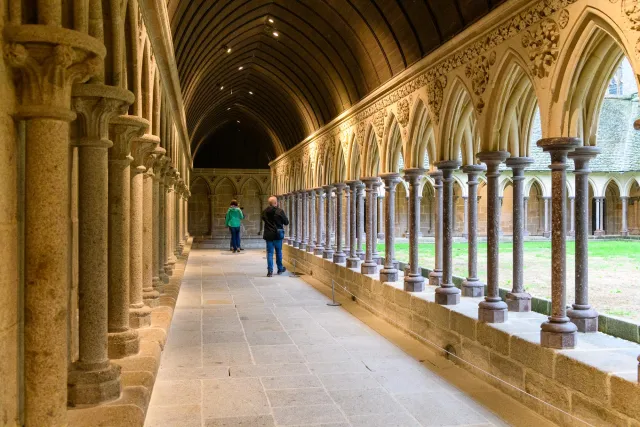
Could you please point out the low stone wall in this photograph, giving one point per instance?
(138, 372)
(596, 383)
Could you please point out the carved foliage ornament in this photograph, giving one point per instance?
(403, 111)
(378, 122)
(542, 46)
(478, 72)
(435, 94)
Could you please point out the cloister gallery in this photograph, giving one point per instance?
(463, 128)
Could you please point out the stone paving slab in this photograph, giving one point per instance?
(249, 351)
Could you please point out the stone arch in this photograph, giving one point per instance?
(458, 126)
(533, 180)
(612, 207)
(130, 62)
(422, 149)
(220, 184)
(392, 146)
(224, 191)
(427, 207)
(534, 193)
(371, 164)
(354, 160)
(584, 69)
(328, 163)
(512, 109)
(200, 207)
(401, 221)
(250, 199)
(146, 82)
(340, 169)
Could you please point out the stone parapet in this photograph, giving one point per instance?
(138, 372)
(596, 382)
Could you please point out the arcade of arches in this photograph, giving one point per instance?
(128, 126)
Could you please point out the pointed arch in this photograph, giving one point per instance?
(392, 146)
(513, 109)
(421, 151)
(585, 67)
(249, 181)
(354, 159)
(225, 179)
(371, 163)
(340, 168)
(458, 126)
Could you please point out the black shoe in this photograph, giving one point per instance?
(234, 251)
(269, 274)
(241, 249)
(283, 270)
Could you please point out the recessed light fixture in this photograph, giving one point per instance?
(228, 50)
(228, 108)
(238, 121)
(271, 20)
(250, 93)
(240, 68)
(276, 34)
(221, 87)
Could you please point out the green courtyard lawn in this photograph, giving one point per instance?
(614, 267)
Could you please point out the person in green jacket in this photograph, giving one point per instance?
(233, 220)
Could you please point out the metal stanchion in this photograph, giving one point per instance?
(333, 302)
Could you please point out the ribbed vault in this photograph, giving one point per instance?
(327, 55)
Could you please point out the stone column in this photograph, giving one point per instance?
(390, 271)
(525, 213)
(598, 231)
(547, 232)
(472, 286)
(150, 294)
(158, 272)
(354, 259)
(380, 216)
(47, 70)
(296, 220)
(518, 299)
(347, 220)
(602, 223)
(93, 378)
(558, 331)
(311, 247)
(582, 314)
(465, 222)
(374, 226)
(333, 222)
(370, 265)
(319, 249)
(339, 257)
(435, 277)
(328, 249)
(572, 221)
(493, 309)
(447, 293)
(169, 182)
(212, 206)
(406, 231)
(162, 218)
(122, 340)
(360, 220)
(413, 281)
(139, 315)
(625, 203)
(304, 225)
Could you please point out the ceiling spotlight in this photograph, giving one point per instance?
(276, 34)
(227, 49)
(240, 68)
(250, 93)
(270, 20)
(228, 108)
(238, 121)
(221, 87)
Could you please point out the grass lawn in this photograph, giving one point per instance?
(613, 268)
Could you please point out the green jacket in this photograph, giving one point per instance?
(234, 216)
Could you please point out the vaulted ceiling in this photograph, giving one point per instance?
(280, 69)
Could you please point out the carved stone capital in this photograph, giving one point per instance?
(142, 150)
(49, 61)
(96, 105)
(122, 130)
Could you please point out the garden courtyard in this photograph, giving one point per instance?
(614, 267)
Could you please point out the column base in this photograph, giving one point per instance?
(311, 248)
(599, 233)
(353, 262)
(586, 320)
(318, 250)
(518, 302)
(571, 233)
(369, 267)
(414, 283)
(361, 255)
(339, 257)
(493, 312)
(156, 283)
(380, 236)
(123, 344)
(377, 259)
(558, 334)
(151, 298)
(472, 287)
(168, 269)
(164, 277)
(140, 317)
(327, 254)
(91, 387)
(302, 246)
(624, 233)
(389, 275)
(546, 234)
(296, 244)
(525, 232)
(435, 278)
(447, 294)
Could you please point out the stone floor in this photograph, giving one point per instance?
(247, 350)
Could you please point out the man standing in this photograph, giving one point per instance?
(233, 220)
(274, 221)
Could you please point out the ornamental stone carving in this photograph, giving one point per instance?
(563, 18)
(378, 122)
(478, 72)
(403, 112)
(435, 93)
(542, 46)
(631, 9)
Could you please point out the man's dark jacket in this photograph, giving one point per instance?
(274, 219)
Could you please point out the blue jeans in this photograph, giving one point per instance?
(271, 245)
(235, 237)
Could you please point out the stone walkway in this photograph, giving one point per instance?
(247, 350)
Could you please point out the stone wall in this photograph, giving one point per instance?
(583, 382)
(212, 190)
